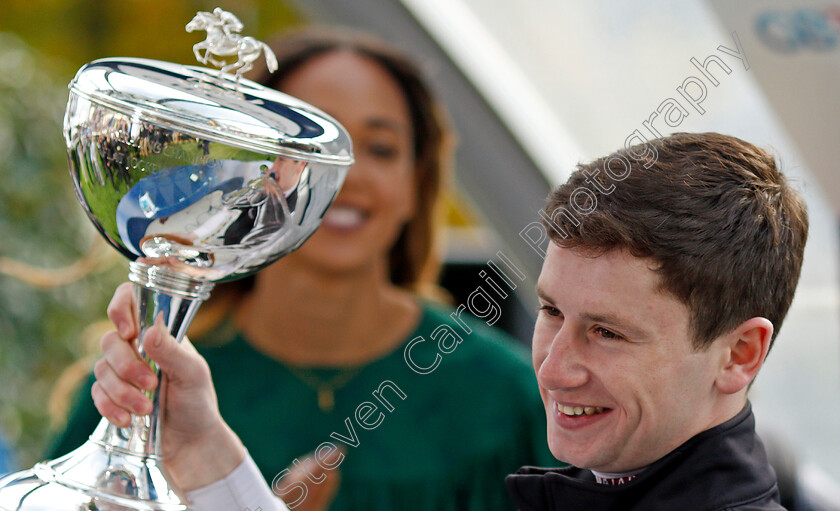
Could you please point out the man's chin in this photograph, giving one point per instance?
(565, 455)
(595, 455)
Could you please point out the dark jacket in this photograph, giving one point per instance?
(723, 468)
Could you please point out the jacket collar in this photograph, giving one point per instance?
(724, 465)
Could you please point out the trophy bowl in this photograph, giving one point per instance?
(210, 179)
(196, 176)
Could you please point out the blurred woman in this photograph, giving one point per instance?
(311, 349)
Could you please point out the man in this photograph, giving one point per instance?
(660, 298)
(660, 295)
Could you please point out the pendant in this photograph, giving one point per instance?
(326, 400)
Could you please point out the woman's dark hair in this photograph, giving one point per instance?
(414, 261)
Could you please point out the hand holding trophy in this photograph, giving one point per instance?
(196, 176)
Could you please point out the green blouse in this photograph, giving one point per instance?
(434, 425)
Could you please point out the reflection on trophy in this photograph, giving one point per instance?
(196, 176)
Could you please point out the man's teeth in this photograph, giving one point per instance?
(574, 411)
(344, 216)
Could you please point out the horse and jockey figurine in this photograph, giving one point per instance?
(223, 40)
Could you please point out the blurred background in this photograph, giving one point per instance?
(533, 87)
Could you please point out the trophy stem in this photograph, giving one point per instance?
(120, 468)
(174, 297)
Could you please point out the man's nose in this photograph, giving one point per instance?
(564, 366)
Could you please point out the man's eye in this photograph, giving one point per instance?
(607, 334)
(550, 311)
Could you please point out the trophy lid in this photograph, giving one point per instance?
(216, 106)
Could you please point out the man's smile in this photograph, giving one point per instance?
(577, 410)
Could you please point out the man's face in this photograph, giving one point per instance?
(610, 343)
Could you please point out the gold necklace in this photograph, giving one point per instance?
(325, 388)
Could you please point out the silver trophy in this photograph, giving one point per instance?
(196, 176)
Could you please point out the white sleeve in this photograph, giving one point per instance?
(243, 490)
(214, 224)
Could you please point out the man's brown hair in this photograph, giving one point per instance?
(723, 226)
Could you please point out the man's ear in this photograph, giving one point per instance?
(745, 347)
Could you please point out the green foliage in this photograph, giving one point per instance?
(79, 31)
(41, 223)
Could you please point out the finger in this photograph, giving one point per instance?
(121, 311)
(108, 409)
(320, 495)
(335, 456)
(126, 362)
(122, 394)
(323, 494)
(188, 345)
(181, 363)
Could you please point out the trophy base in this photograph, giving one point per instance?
(117, 469)
(115, 480)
